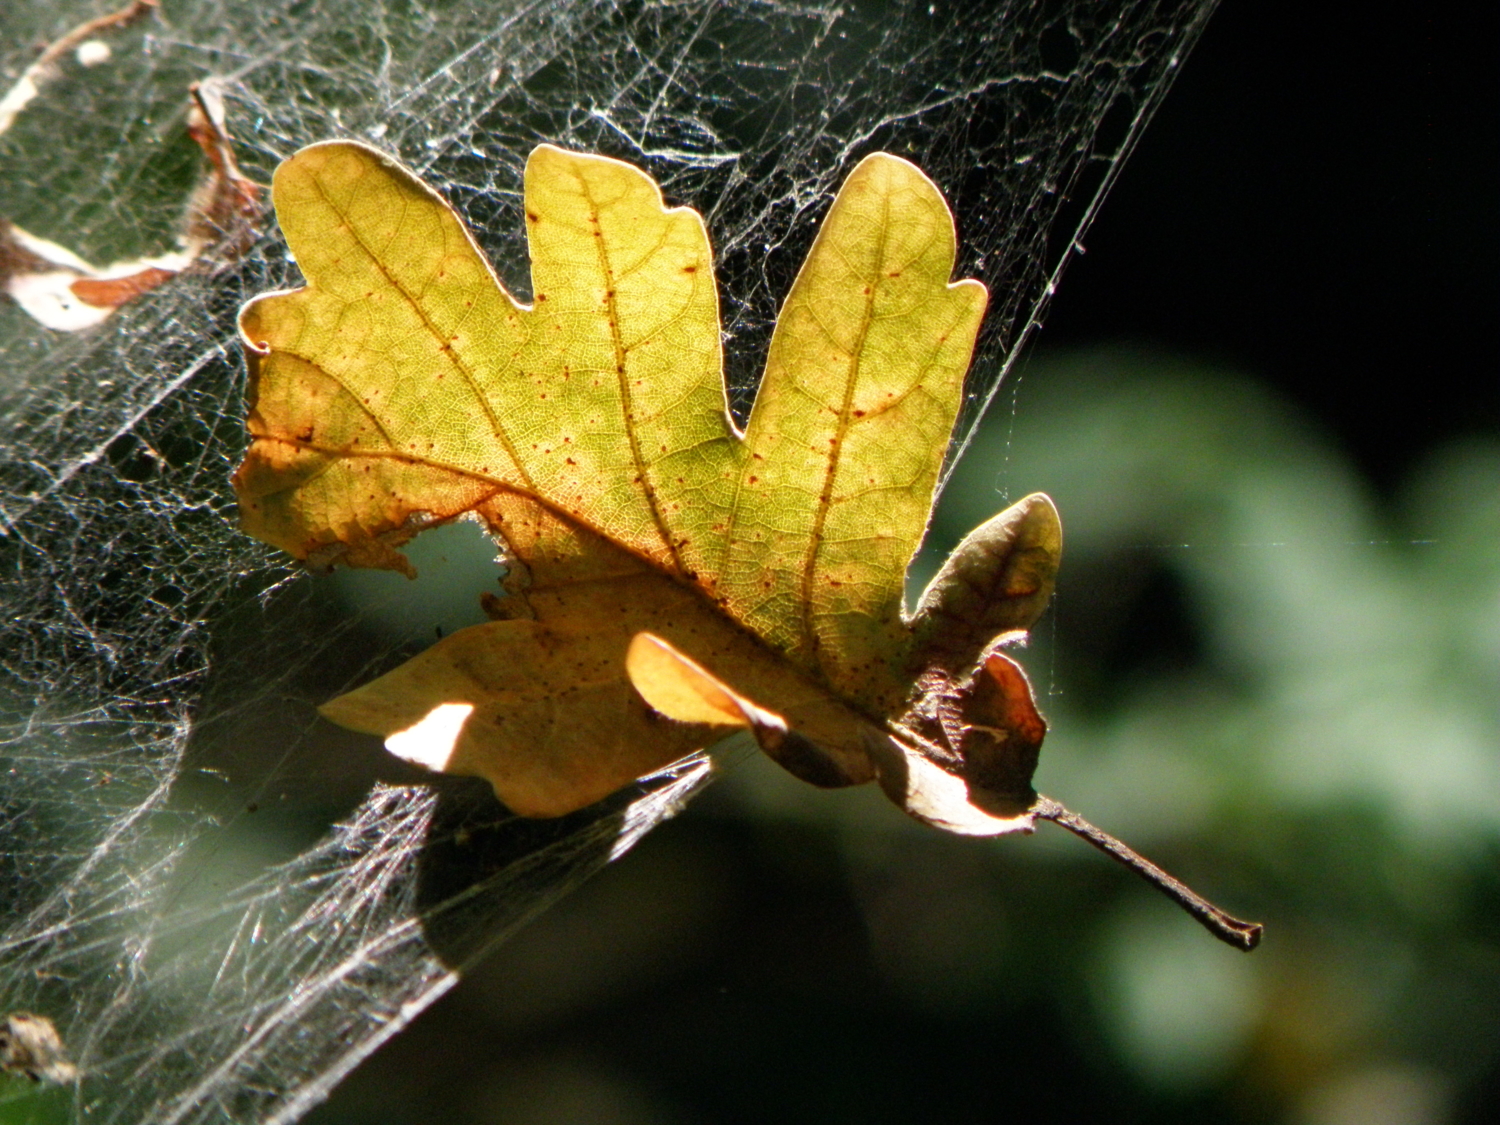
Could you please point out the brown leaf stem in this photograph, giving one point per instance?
(1225, 927)
(112, 21)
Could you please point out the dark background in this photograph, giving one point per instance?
(1314, 205)
(1315, 202)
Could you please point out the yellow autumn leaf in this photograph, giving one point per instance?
(404, 386)
(669, 578)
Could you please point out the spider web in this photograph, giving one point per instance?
(222, 903)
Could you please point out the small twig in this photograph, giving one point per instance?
(1225, 927)
(44, 69)
(135, 10)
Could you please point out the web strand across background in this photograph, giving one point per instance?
(222, 903)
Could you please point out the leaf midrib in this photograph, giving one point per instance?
(841, 431)
(627, 400)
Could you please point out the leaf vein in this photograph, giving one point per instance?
(415, 302)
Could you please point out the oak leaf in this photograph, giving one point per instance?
(669, 577)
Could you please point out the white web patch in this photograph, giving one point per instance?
(220, 902)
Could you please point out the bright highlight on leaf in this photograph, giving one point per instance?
(678, 688)
(430, 741)
(669, 578)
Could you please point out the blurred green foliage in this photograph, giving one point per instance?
(1273, 682)
(1255, 660)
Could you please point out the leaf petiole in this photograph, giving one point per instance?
(1225, 927)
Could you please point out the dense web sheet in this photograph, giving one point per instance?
(222, 902)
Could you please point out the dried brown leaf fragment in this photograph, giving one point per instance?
(45, 69)
(30, 1045)
(221, 221)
